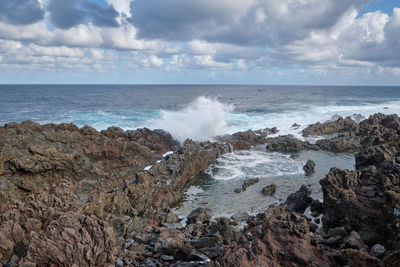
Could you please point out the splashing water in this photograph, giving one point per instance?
(202, 119)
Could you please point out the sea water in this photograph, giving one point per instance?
(201, 112)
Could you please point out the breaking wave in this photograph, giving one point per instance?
(201, 119)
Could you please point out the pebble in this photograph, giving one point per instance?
(167, 258)
(377, 250)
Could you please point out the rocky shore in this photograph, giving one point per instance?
(74, 196)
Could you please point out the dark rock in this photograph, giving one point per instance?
(338, 231)
(376, 130)
(295, 126)
(269, 190)
(288, 143)
(276, 239)
(199, 215)
(377, 250)
(249, 182)
(204, 242)
(247, 139)
(354, 241)
(363, 200)
(167, 258)
(330, 127)
(148, 262)
(375, 156)
(317, 220)
(240, 216)
(213, 252)
(173, 242)
(198, 257)
(313, 227)
(309, 167)
(299, 201)
(335, 240)
(316, 206)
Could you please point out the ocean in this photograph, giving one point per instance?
(203, 111)
(191, 111)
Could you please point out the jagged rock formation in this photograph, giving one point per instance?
(377, 129)
(367, 200)
(330, 127)
(111, 191)
(288, 143)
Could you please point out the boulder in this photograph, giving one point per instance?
(198, 215)
(288, 143)
(269, 190)
(299, 201)
(330, 127)
(309, 167)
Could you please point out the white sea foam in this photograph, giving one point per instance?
(253, 163)
(202, 119)
(283, 121)
(205, 118)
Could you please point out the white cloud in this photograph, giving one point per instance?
(246, 35)
(122, 6)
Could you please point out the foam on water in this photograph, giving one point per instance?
(252, 163)
(202, 119)
(205, 118)
(283, 121)
(215, 189)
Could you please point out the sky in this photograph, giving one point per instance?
(307, 42)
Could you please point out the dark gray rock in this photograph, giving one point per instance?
(198, 215)
(377, 250)
(167, 258)
(299, 201)
(240, 216)
(288, 143)
(269, 190)
(309, 167)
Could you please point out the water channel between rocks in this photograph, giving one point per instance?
(214, 189)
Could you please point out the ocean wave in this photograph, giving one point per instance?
(202, 119)
(205, 118)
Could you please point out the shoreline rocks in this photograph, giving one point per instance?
(78, 196)
(246, 184)
(269, 190)
(309, 167)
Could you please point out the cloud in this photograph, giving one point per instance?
(65, 14)
(122, 6)
(21, 12)
(71, 13)
(101, 16)
(241, 22)
(317, 36)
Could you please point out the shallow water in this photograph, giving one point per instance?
(215, 188)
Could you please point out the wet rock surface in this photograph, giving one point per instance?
(288, 143)
(309, 167)
(269, 190)
(299, 201)
(376, 130)
(340, 125)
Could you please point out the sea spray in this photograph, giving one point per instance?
(201, 119)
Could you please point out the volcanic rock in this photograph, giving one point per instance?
(299, 201)
(309, 167)
(330, 127)
(269, 190)
(198, 215)
(288, 143)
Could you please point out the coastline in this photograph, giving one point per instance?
(79, 196)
